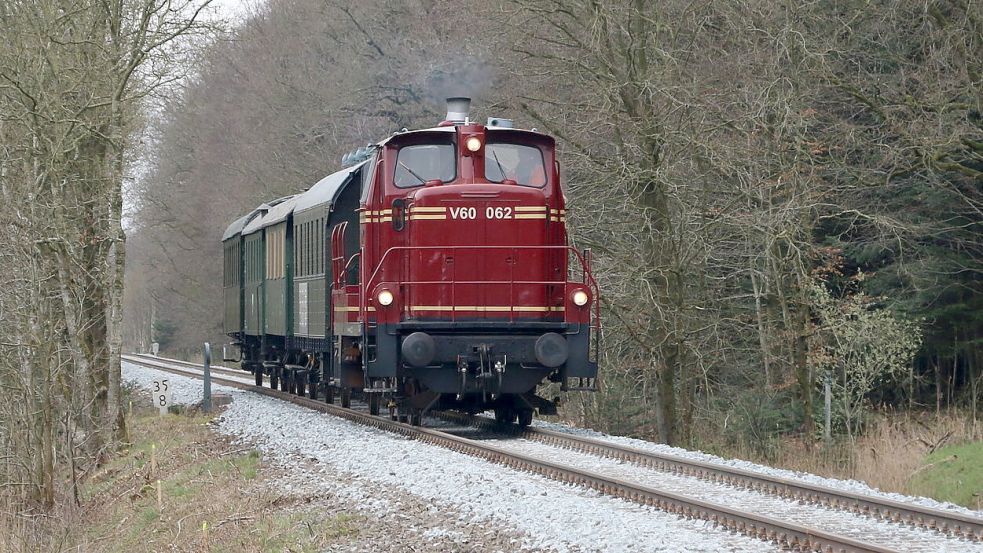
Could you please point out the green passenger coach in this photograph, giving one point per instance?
(278, 277)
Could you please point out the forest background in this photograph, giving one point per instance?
(781, 198)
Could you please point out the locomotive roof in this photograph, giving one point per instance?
(452, 128)
(326, 190)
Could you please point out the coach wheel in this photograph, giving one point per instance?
(258, 373)
(525, 417)
(285, 381)
(416, 416)
(274, 379)
(312, 389)
(329, 394)
(374, 403)
(346, 397)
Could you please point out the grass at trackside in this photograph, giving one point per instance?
(203, 479)
(953, 473)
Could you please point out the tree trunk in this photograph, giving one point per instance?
(938, 386)
(665, 404)
(803, 373)
(762, 335)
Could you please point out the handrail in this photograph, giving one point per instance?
(338, 253)
(348, 265)
(580, 257)
(369, 285)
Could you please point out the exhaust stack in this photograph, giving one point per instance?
(457, 110)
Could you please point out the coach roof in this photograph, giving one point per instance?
(259, 217)
(280, 211)
(326, 190)
(236, 227)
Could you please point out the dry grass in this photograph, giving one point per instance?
(203, 479)
(891, 451)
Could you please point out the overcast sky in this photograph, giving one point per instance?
(234, 10)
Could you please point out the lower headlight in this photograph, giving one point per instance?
(580, 298)
(385, 297)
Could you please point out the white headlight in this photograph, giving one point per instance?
(385, 297)
(473, 144)
(580, 298)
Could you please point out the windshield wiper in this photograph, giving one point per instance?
(499, 163)
(410, 171)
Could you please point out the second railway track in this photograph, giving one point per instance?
(782, 532)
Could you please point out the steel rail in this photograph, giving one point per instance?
(192, 372)
(785, 534)
(197, 366)
(949, 523)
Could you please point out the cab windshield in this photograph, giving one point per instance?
(517, 162)
(419, 163)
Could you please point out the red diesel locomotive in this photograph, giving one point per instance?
(433, 271)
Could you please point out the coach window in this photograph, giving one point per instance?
(517, 162)
(420, 163)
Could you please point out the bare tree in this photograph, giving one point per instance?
(72, 75)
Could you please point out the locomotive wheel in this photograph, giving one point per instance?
(258, 373)
(274, 380)
(416, 417)
(374, 401)
(285, 383)
(312, 389)
(525, 417)
(329, 394)
(346, 397)
(504, 415)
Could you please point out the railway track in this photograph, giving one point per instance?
(782, 532)
(219, 369)
(947, 522)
